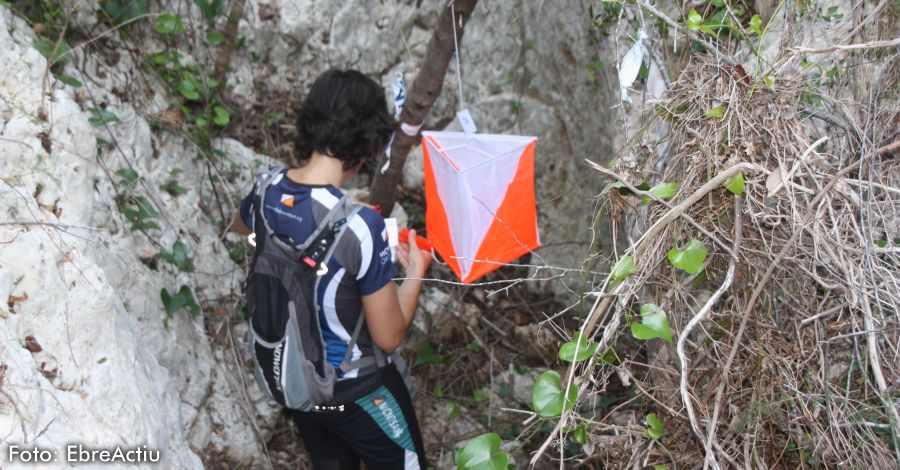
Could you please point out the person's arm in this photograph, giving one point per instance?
(238, 226)
(390, 310)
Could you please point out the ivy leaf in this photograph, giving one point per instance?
(608, 356)
(482, 453)
(54, 52)
(655, 428)
(215, 37)
(735, 184)
(184, 298)
(128, 176)
(623, 268)
(662, 190)
(580, 434)
(221, 116)
(694, 20)
(100, 117)
(770, 82)
(123, 11)
(69, 80)
(755, 25)
(168, 23)
(146, 209)
(715, 112)
(178, 257)
(188, 90)
(654, 324)
(585, 349)
(691, 258)
(547, 396)
(172, 187)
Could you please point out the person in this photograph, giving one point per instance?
(342, 123)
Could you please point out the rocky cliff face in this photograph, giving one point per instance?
(87, 352)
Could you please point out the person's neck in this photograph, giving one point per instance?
(320, 169)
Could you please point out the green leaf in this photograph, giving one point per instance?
(168, 23)
(770, 82)
(201, 122)
(480, 394)
(178, 257)
(735, 184)
(122, 11)
(54, 52)
(145, 207)
(755, 25)
(715, 112)
(660, 467)
(881, 243)
(221, 116)
(580, 434)
(623, 268)
(210, 8)
(482, 453)
(691, 258)
(184, 298)
(473, 346)
(654, 324)
(661, 190)
(215, 37)
(654, 427)
(128, 175)
(694, 20)
(608, 356)
(173, 188)
(585, 349)
(100, 117)
(69, 80)
(547, 396)
(188, 90)
(452, 411)
(428, 356)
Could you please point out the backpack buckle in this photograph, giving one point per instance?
(251, 239)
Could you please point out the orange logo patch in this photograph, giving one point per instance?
(378, 401)
(287, 200)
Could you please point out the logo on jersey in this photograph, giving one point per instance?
(287, 200)
(389, 416)
(385, 255)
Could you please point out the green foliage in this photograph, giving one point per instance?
(655, 428)
(715, 112)
(452, 411)
(622, 269)
(100, 117)
(585, 348)
(691, 258)
(482, 453)
(221, 116)
(55, 52)
(547, 396)
(139, 211)
(183, 299)
(178, 257)
(428, 356)
(69, 80)
(123, 11)
(579, 433)
(735, 184)
(755, 26)
(210, 8)
(214, 37)
(661, 190)
(833, 14)
(654, 324)
(168, 23)
(128, 175)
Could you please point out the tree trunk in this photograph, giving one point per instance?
(425, 90)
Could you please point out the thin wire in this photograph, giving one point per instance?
(462, 104)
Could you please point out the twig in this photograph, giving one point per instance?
(847, 47)
(691, 34)
(698, 317)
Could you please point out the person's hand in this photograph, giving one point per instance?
(414, 260)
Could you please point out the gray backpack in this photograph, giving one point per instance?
(284, 336)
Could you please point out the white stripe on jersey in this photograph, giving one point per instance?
(361, 230)
(334, 323)
(324, 197)
(410, 461)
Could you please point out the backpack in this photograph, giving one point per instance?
(284, 337)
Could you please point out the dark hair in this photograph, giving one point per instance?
(344, 116)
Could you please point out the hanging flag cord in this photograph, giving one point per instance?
(462, 104)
